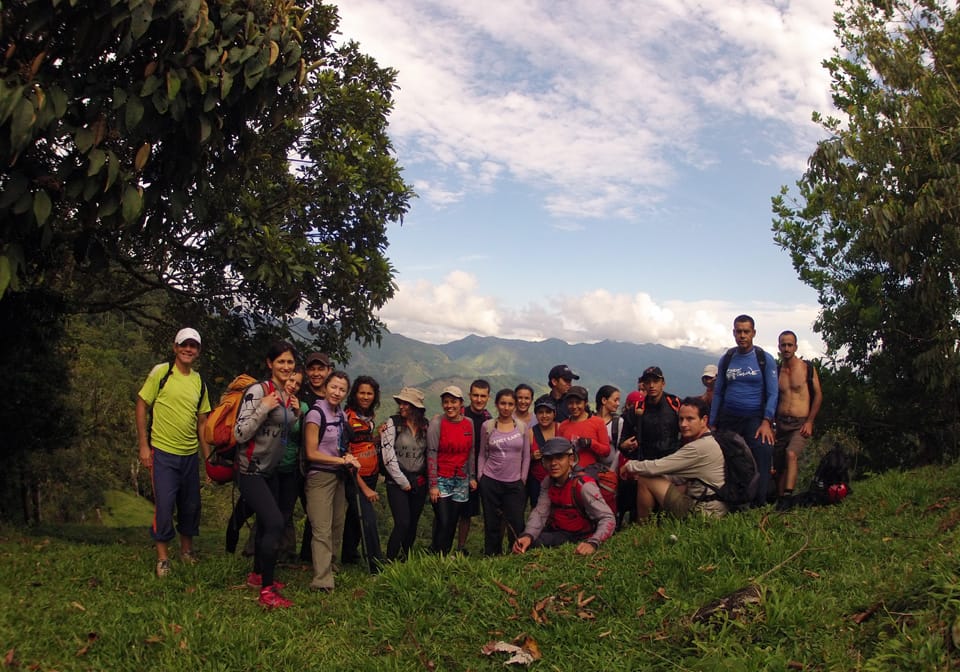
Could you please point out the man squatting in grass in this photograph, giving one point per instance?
(570, 508)
(679, 482)
(797, 408)
(168, 446)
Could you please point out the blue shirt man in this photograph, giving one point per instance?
(745, 398)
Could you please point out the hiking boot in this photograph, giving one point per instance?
(255, 580)
(270, 598)
(189, 558)
(163, 568)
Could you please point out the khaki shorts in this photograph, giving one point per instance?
(677, 503)
(789, 438)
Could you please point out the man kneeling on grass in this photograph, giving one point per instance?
(684, 481)
(570, 507)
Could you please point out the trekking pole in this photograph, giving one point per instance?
(358, 496)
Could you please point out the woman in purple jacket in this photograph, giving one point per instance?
(502, 466)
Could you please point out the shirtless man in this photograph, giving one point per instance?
(797, 408)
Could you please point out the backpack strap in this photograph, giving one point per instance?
(761, 363)
(615, 431)
(538, 435)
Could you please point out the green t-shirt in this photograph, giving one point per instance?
(175, 409)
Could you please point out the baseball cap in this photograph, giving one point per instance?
(317, 358)
(453, 391)
(187, 334)
(557, 446)
(651, 372)
(562, 371)
(709, 371)
(578, 392)
(546, 401)
(411, 395)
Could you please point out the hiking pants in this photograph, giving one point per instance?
(326, 506)
(176, 483)
(406, 507)
(261, 494)
(365, 518)
(502, 504)
(446, 514)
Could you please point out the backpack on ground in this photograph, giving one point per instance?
(740, 475)
(830, 483)
(222, 465)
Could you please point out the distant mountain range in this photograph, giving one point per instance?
(400, 361)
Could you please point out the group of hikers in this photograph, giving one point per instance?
(308, 433)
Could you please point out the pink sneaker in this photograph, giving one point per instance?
(255, 580)
(271, 599)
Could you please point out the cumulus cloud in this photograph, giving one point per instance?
(592, 102)
(454, 309)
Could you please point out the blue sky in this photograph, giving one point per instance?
(598, 169)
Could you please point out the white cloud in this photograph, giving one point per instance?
(442, 313)
(592, 102)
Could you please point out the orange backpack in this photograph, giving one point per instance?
(221, 465)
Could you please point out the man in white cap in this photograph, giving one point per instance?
(709, 379)
(169, 440)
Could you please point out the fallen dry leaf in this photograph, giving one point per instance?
(796, 665)
(505, 588)
(520, 656)
(10, 660)
(812, 574)
(582, 602)
(661, 594)
(604, 634)
(77, 605)
(154, 639)
(641, 612)
(586, 615)
(707, 568)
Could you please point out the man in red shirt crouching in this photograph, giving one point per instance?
(570, 508)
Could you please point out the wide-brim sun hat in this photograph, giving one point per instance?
(412, 396)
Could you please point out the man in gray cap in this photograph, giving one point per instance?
(169, 440)
(570, 509)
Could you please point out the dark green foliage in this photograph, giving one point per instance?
(875, 227)
(145, 148)
(35, 416)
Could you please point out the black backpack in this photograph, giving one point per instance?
(740, 475)
(830, 483)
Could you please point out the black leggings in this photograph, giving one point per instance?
(261, 494)
(406, 507)
(446, 514)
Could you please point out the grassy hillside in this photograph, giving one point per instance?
(871, 584)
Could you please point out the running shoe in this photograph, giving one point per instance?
(270, 598)
(255, 580)
(163, 568)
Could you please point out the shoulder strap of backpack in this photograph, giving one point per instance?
(722, 373)
(809, 380)
(538, 435)
(614, 431)
(166, 376)
(762, 363)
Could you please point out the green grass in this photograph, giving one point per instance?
(869, 585)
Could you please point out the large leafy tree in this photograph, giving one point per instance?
(874, 225)
(228, 155)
